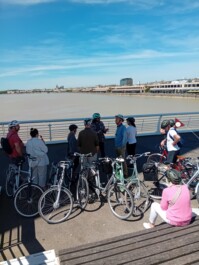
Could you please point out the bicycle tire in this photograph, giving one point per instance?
(156, 158)
(26, 199)
(94, 199)
(140, 196)
(197, 193)
(55, 213)
(120, 201)
(156, 193)
(10, 183)
(82, 191)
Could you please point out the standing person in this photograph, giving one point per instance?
(15, 142)
(172, 139)
(121, 140)
(175, 206)
(98, 126)
(72, 146)
(131, 136)
(36, 147)
(88, 141)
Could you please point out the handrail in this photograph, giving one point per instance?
(56, 130)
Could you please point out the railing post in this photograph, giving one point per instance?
(50, 132)
(158, 124)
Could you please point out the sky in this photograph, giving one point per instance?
(84, 43)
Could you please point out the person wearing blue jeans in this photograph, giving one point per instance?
(121, 140)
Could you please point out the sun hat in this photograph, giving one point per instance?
(120, 116)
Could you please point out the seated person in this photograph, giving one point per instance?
(175, 206)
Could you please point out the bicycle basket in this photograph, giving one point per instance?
(150, 172)
(106, 167)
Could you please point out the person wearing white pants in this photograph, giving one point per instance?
(175, 206)
(38, 149)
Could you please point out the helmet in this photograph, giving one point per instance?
(165, 123)
(171, 122)
(174, 176)
(120, 116)
(96, 115)
(13, 124)
(87, 122)
(72, 127)
(131, 119)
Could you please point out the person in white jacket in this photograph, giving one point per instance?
(36, 147)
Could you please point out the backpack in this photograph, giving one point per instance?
(6, 146)
(150, 172)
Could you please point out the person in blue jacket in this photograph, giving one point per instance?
(121, 140)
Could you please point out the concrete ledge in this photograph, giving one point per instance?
(46, 257)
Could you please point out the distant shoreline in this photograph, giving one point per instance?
(173, 95)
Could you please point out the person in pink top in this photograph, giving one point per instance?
(175, 206)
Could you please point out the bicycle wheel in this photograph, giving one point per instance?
(10, 185)
(156, 158)
(140, 197)
(94, 199)
(156, 192)
(82, 191)
(120, 201)
(55, 205)
(26, 199)
(197, 193)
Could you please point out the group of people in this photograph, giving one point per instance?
(92, 138)
(175, 206)
(35, 147)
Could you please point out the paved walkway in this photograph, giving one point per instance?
(21, 236)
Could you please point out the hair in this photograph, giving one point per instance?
(72, 127)
(131, 120)
(33, 132)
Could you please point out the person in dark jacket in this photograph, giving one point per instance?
(98, 126)
(88, 141)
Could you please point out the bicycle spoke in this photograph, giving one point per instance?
(55, 207)
(26, 200)
(120, 201)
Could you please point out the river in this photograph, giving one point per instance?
(79, 105)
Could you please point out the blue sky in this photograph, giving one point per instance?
(78, 43)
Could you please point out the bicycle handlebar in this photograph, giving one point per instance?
(136, 156)
(83, 155)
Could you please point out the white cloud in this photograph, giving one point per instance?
(25, 2)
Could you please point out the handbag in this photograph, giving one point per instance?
(176, 196)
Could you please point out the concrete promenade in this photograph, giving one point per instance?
(21, 236)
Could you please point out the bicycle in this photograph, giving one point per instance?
(55, 204)
(27, 195)
(82, 190)
(188, 172)
(158, 157)
(14, 177)
(119, 198)
(137, 187)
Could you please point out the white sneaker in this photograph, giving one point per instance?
(147, 225)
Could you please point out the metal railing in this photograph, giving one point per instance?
(56, 130)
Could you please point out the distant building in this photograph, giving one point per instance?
(126, 82)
